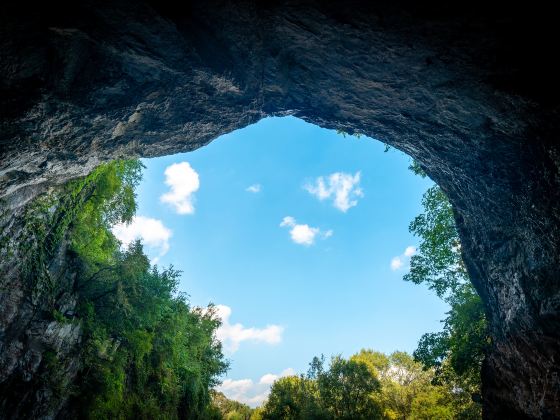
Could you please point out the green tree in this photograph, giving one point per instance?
(370, 385)
(292, 397)
(257, 414)
(407, 391)
(347, 390)
(461, 345)
(110, 199)
(432, 403)
(438, 262)
(457, 352)
(146, 353)
(228, 409)
(407, 383)
(378, 363)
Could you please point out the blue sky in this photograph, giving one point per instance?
(300, 234)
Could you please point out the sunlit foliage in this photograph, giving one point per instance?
(146, 353)
(226, 409)
(369, 385)
(457, 352)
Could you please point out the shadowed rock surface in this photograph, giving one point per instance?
(469, 92)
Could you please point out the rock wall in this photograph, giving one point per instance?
(39, 336)
(469, 91)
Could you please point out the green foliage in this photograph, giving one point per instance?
(257, 414)
(431, 404)
(146, 353)
(417, 169)
(345, 133)
(293, 397)
(404, 383)
(369, 385)
(457, 352)
(59, 317)
(45, 224)
(346, 390)
(110, 199)
(438, 263)
(89, 205)
(377, 362)
(224, 408)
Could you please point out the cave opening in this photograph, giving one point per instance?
(462, 90)
(300, 236)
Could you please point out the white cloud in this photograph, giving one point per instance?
(154, 235)
(288, 221)
(255, 188)
(232, 335)
(304, 234)
(235, 387)
(250, 392)
(343, 188)
(269, 378)
(396, 263)
(400, 261)
(410, 251)
(183, 181)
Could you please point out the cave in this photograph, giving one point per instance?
(467, 90)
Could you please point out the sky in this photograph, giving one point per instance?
(300, 236)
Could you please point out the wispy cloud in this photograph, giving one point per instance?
(342, 188)
(396, 263)
(403, 260)
(255, 188)
(232, 335)
(250, 392)
(409, 251)
(183, 181)
(152, 232)
(304, 234)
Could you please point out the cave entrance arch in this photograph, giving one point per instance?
(463, 91)
(233, 250)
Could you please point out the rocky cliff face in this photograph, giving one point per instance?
(468, 91)
(39, 340)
